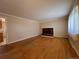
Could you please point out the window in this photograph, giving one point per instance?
(73, 24)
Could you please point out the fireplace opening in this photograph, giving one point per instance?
(47, 31)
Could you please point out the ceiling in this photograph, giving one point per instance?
(36, 9)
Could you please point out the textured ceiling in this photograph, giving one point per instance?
(36, 9)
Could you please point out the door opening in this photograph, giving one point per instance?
(3, 35)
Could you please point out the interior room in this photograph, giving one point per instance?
(39, 29)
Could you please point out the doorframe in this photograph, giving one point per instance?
(5, 36)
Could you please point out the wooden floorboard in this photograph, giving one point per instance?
(39, 48)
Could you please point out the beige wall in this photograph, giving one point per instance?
(19, 28)
(59, 26)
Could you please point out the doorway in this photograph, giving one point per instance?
(3, 35)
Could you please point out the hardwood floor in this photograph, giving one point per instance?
(39, 48)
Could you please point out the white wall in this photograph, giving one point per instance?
(59, 25)
(20, 28)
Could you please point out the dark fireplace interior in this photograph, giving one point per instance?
(47, 31)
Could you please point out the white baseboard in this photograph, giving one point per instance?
(73, 46)
(21, 39)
